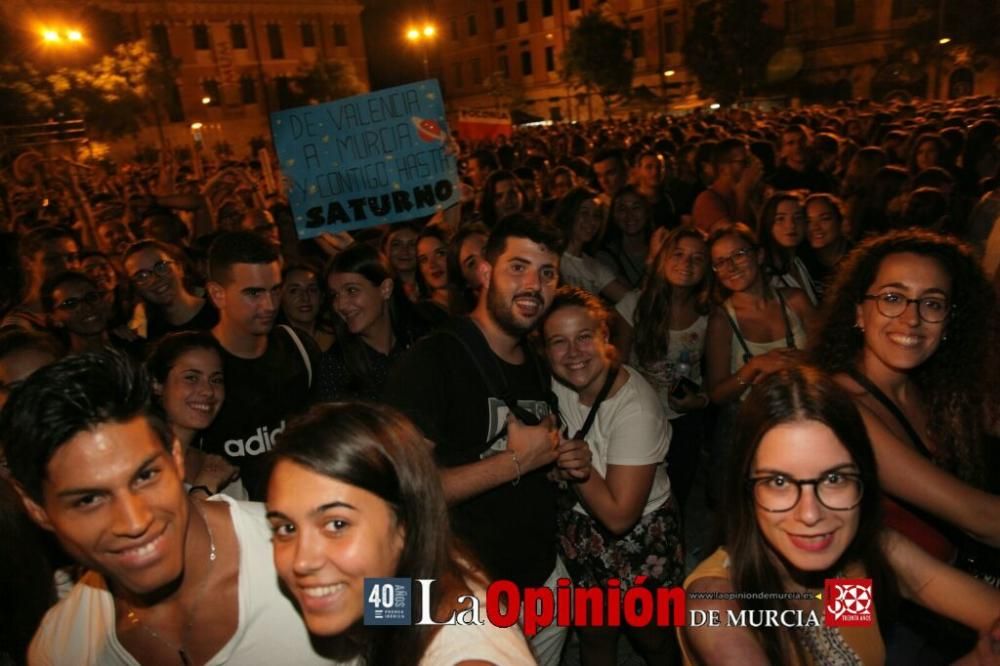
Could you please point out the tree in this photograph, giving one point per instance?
(596, 56)
(507, 94)
(328, 80)
(729, 46)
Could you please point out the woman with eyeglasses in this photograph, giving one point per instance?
(759, 329)
(157, 272)
(79, 312)
(802, 507)
(910, 328)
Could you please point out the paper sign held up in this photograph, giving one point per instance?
(370, 159)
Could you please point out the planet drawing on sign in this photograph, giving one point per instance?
(427, 129)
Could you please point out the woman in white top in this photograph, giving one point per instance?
(759, 329)
(782, 232)
(624, 523)
(580, 217)
(353, 493)
(666, 325)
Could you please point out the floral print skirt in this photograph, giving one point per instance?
(652, 549)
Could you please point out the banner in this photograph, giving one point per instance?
(476, 124)
(366, 160)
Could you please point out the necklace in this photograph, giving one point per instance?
(134, 619)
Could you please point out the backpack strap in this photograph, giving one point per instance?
(472, 340)
(302, 350)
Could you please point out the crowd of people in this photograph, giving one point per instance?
(737, 352)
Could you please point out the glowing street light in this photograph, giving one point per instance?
(74, 36)
(669, 73)
(206, 100)
(715, 106)
(422, 35)
(944, 40)
(51, 36)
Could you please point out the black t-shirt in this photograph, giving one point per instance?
(512, 529)
(157, 325)
(261, 394)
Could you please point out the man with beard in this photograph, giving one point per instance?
(490, 415)
(268, 370)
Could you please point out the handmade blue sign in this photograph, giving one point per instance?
(371, 159)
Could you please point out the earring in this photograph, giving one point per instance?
(944, 338)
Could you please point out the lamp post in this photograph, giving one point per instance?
(422, 36)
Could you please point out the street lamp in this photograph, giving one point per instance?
(51, 36)
(206, 100)
(668, 73)
(421, 36)
(74, 36)
(944, 41)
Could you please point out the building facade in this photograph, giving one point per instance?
(493, 52)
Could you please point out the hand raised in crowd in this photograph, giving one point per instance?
(535, 446)
(573, 462)
(334, 243)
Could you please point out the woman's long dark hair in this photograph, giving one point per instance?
(794, 395)
(430, 231)
(373, 266)
(564, 216)
(377, 449)
(776, 257)
(957, 381)
(652, 314)
(463, 298)
(488, 207)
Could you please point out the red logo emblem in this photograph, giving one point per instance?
(848, 602)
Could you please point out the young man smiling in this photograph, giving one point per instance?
(170, 580)
(494, 465)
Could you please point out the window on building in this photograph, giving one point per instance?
(238, 35)
(308, 36)
(504, 65)
(457, 67)
(473, 30)
(175, 109)
(161, 40)
(636, 39)
(574, 4)
(550, 59)
(792, 17)
(248, 90)
(546, 7)
(339, 34)
(498, 17)
(670, 41)
(522, 11)
(903, 8)
(527, 66)
(201, 40)
(210, 88)
(477, 71)
(843, 13)
(274, 41)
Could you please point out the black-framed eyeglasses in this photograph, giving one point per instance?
(90, 298)
(738, 258)
(837, 491)
(160, 268)
(932, 309)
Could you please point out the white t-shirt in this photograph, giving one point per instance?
(585, 272)
(630, 429)
(684, 352)
(80, 629)
(487, 642)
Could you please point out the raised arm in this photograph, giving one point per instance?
(906, 474)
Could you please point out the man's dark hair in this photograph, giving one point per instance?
(485, 158)
(237, 247)
(34, 241)
(520, 225)
(610, 154)
(722, 150)
(61, 400)
(49, 286)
